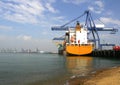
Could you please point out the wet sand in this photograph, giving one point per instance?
(110, 76)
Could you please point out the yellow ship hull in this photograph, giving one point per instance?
(79, 49)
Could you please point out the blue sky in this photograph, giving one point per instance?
(27, 23)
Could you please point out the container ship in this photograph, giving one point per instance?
(76, 42)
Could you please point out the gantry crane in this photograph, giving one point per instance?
(91, 27)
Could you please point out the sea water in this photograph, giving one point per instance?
(47, 69)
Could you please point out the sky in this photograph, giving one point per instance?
(27, 23)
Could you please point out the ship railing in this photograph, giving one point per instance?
(77, 44)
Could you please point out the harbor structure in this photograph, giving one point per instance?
(81, 39)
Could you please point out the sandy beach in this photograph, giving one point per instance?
(109, 76)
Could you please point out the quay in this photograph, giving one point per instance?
(106, 53)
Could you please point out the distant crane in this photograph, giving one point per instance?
(91, 27)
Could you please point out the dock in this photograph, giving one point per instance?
(106, 53)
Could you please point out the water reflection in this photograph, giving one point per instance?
(79, 64)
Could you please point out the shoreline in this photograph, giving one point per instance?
(107, 76)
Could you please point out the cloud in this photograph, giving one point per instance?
(22, 10)
(26, 11)
(110, 20)
(97, 7)
(75, 1)
(50, 8)
(24, 37)
(59, 18)
(45, 33)
(3, 27)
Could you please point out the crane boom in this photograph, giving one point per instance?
(59, 28)
(104, 29)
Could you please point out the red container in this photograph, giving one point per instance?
(116, 48)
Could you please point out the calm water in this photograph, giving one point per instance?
(46, 69)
